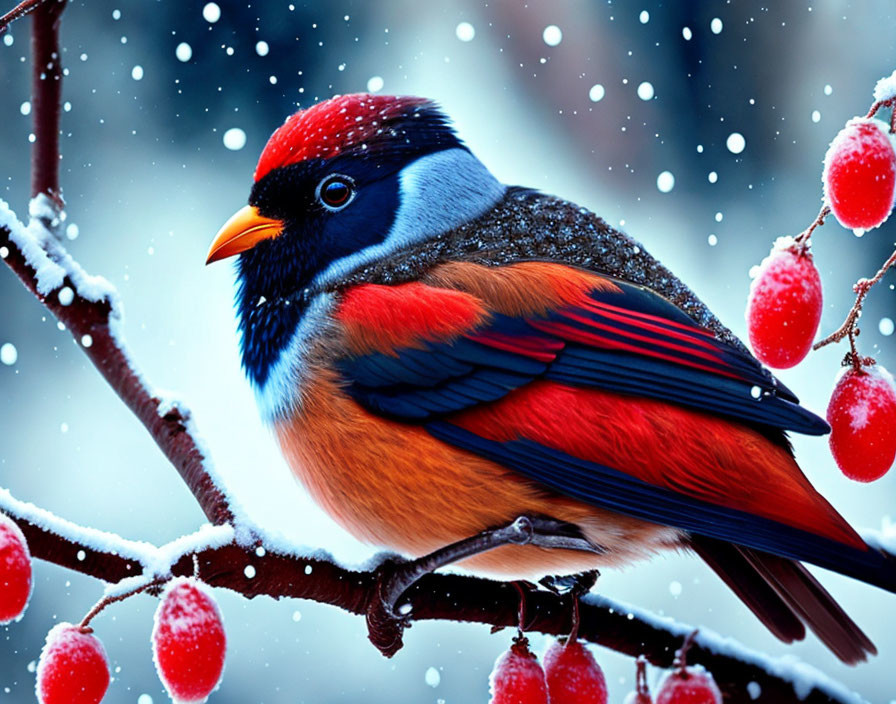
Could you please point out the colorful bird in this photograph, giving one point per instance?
(440, 354)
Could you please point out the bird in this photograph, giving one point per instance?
(439, 354)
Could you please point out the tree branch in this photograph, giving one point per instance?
(434, 597)
(46, 100)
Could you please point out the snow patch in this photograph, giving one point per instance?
(885, 89)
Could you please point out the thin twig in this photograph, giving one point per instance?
(23, 8)
(803, 237)
(850, 325)
(108, 600)
(878, 105)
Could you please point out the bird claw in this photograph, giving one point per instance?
(395, 576)
(385, 622)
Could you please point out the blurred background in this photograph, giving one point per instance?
(627, 108)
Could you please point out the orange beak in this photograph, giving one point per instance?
(245, 229)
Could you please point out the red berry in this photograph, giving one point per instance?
(688, 685)
(573, 676)
(860, 174)
(517, 677)
(862, 414)
(188, 641)
(73, 668)
(784, 305)
(15, 571)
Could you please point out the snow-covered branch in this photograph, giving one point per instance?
(252, 566)
(89, 308)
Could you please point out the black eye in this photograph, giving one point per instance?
(335, 192)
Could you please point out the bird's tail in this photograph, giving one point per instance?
(787, 598)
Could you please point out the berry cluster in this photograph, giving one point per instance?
(785, 300)
(571, 675)
(188, 639)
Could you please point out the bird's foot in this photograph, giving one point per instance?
(386, 619)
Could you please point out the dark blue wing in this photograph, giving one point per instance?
(628, 340)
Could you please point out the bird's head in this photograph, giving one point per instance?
(344, 183)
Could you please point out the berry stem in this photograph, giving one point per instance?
(681, 655)
(803, 237)
(881, 104)
(641, 676)
(850, 325)
(108, 600)
(574, 632)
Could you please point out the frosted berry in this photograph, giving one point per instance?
(73, 667)
(688, 685)
(784, 305)
(641, 695)
(517, 678)
(862, 415)
(860, 174)
(188, 641)
(573, 675)
(15, 571)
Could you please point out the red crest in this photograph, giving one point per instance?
(332, 127)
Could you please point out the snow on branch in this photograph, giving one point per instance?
(250, 566)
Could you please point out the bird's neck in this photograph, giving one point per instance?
(266, 327)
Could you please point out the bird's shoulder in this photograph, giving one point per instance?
(527, 225)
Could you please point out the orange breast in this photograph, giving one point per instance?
(394, 485)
